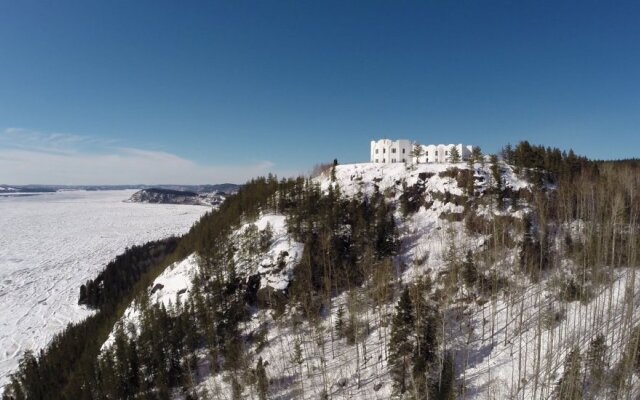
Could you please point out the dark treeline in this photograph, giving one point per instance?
(545, 162)
(338, 233)
(121, 274)
(601, 194)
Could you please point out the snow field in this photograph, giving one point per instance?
(52, 243)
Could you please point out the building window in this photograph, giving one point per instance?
(393, 151)
(403, 160)
(446, 153)
(436, 152)
(393, 160)
(377, 160)
(403, 151)
(383, 160)
(376, 151)
(384, 151)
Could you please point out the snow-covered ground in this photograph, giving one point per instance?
(507, 363)
(282, 250)
(363, 177)
(52, 243)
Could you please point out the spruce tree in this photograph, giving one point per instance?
(446, 389)
(417, 152)
(476, 155)
(401, 343)
(333, 169)
(596, 365)
(266, 236)
(340, 322)
(495, 172)
(262, 382)
(454, 155)
(133, 369)
(570, 384)
(469, 270)
(427, 327)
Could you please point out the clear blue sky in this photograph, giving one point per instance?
(242, 87)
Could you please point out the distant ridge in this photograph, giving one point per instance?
(205, 188)
(171, 196)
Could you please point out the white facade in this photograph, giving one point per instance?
(441, 153)
(391, 151)
(401, 151)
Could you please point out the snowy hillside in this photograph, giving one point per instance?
(512, 345)
(335, 363)
(174, 282)
(273, 266)
(376, 281)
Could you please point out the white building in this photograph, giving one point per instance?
(401, 151)
(391, 151)
(441, 153)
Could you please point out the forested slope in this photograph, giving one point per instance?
(488, 279)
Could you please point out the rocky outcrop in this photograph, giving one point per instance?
(168, 196)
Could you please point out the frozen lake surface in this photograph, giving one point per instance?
(52, 243)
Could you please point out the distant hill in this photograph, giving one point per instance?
(26, 189)
(223, 187)
(171, 196)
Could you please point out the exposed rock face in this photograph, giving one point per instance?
(167, 196)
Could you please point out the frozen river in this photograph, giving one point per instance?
(52, 243)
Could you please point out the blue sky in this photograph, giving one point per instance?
(188, 92)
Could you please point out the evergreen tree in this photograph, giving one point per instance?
(266, 236)
(262, 382)
(417, 152)
(236, 387)
(427, 328)
(452, 261)
(446, 389)
(31, 388)
(476, 155)
(596, 365)
(298, 359)
(454, 155)
(570, 384)
(401, 343)
(469, 270)
(339, 325)
(495, 172)
(333, 169)
(507, 153)
(108, 378)
(132, 369)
